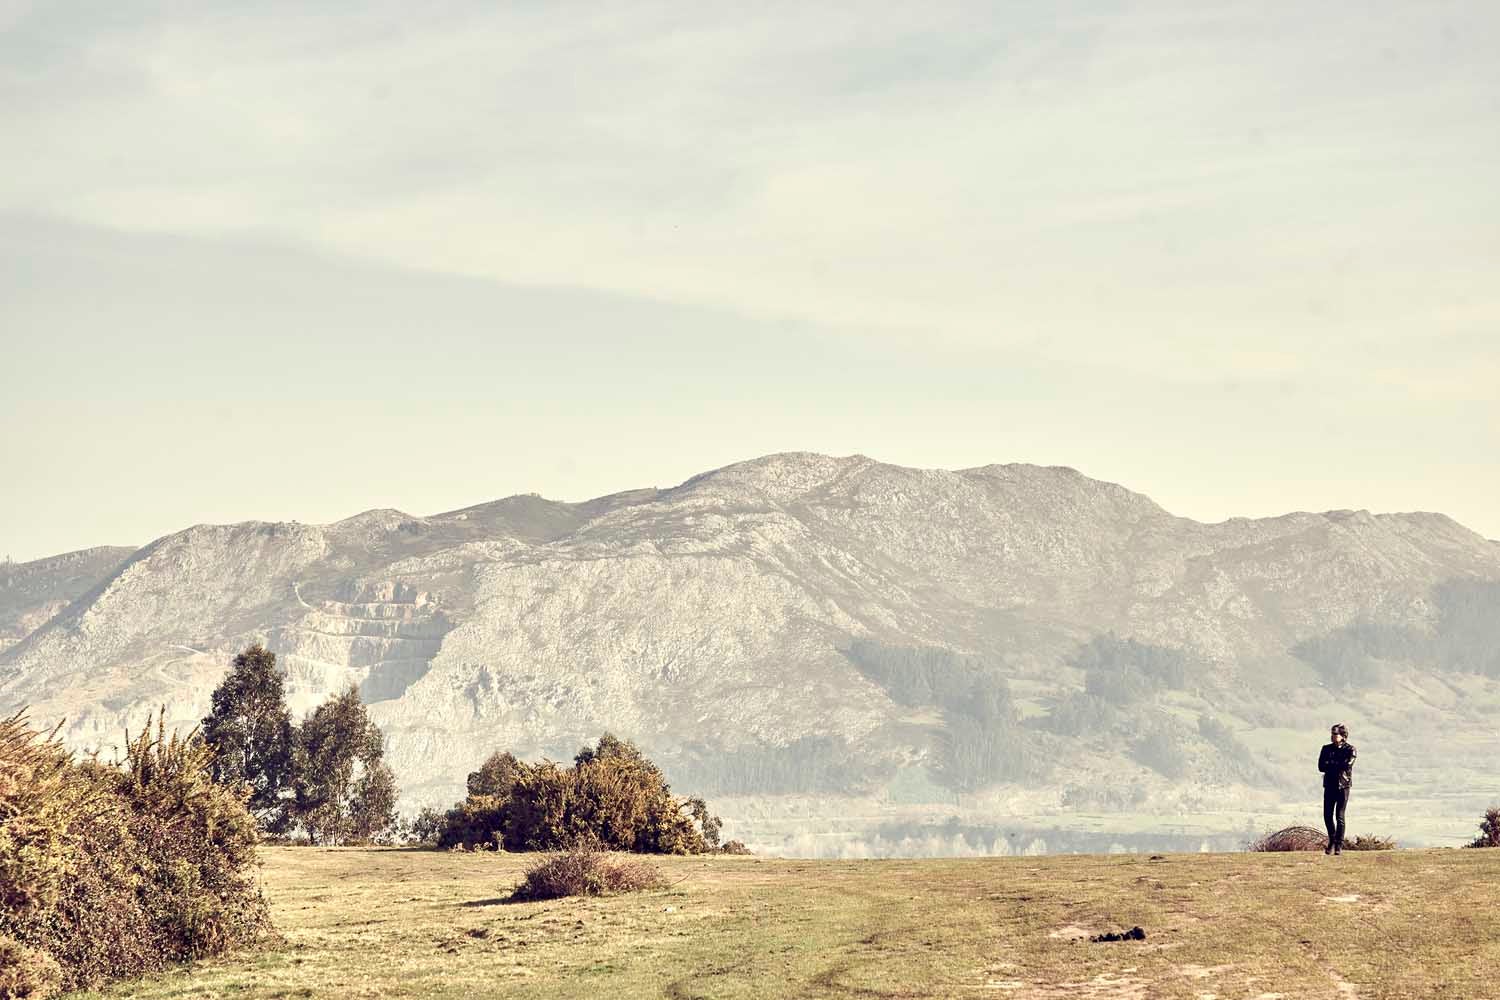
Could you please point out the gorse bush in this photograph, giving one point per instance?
(27, 972)
(112, 870)
(612, 796)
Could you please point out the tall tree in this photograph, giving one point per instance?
(250, 732)
(341, 786)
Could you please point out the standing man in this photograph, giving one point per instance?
(1336, 761)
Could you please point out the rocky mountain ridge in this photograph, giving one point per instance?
(715, 618)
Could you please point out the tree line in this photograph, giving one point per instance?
(325, 779)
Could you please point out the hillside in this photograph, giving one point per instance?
(841, 652)
(383, 923)
(31, 593)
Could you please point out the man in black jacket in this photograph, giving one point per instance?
(1336, 761)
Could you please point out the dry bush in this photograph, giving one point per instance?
(112, 870)
(27, 973)
(584, 871)
(1291, 838)
(734, 847)
(1370, 843)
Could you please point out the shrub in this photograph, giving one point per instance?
(584, 871)
(612, 795)
(1370, 843)
(424, 828)
(495, 776)
(112, 870)
(27, 973)
(479, 819)
(1489, 829)
(1291, 838)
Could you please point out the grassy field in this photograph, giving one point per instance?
(403, 923)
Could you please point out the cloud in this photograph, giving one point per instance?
(940, 234)
(1142, 188)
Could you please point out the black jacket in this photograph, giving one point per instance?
(1336, 761)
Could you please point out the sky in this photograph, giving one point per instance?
(297, 260)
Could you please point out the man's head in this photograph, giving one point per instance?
(1339, 733)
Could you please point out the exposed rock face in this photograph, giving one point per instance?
(32, 593)
(714, 613)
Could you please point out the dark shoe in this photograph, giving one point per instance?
(1338, 850)
(1328, 849)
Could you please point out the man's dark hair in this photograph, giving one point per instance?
(1341, 729)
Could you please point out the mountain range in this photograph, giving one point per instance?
(850, 656)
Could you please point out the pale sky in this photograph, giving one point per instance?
(297, 260)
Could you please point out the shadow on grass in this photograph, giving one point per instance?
(496, 901)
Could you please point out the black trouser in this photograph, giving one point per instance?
(1335, 799)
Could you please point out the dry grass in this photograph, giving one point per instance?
(402, 923)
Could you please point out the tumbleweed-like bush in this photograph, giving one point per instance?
(1366, 842)
(584, 871)
(1291, 838)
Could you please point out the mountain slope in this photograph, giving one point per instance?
(715, 623)
(32, 592)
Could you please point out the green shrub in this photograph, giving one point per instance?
(612, 796)
(479, 819)
(112, 870)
